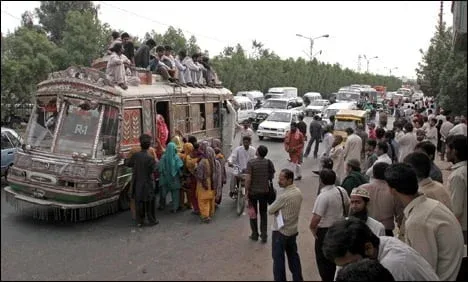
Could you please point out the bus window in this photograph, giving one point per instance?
(195, 117)
(216, 115)
(209, 116)
(108, 136)
(181, 114)
(203, 116)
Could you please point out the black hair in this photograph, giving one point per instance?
(420, 163)
(262, 151)
(428, 148)
(150, 42)
(348, 235)
(390, 135)
(409, 127)
(196, 145)
(192, 139)
(371, 142)
(380, 133)
(116, 48)
(327, 163)
(364, 270)
(378, 170)
(294, 124)
(182, 54)
(168, 48)
(145, 141)
(327, 176)
(247, 138)
(115, 35)
(458, 143)
(349, 130)
(288, 173)
(394, 175)
(383, 146)
(125, 35)
(160, 49)
(316, 117)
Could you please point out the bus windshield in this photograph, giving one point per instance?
(42, 126)
(79, 129)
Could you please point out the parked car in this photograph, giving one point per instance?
(316, 107)
(277, 124)
(11, 141)
(274, 104)
(246, 108)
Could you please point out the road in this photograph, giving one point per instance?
(179, 248)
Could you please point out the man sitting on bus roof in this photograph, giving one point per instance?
(115, 70)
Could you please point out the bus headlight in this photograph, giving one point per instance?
(106, 175)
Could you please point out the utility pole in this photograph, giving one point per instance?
(359, 63)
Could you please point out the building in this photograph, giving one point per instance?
(459, 26)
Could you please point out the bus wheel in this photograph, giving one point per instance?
(124, 199)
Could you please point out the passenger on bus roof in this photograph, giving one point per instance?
(142, 56)
(115, 66)
(129, 48)
(195, 70)
(115, 39)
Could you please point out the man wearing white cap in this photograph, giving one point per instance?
(358, 208)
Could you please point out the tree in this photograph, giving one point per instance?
(192, 46)
(174, 38)
(84, 38)
(452, 95)
(53, 14)
(25, 62)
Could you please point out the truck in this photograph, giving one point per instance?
(281, 92)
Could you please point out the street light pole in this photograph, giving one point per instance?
(312, 40)
(368, 60)
(390, 70)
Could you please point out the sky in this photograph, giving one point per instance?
(392, 31)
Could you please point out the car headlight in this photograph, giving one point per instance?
(106, 175)
(81, 185)
(281, 130)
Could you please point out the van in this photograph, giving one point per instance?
(309, 97)
(334, 108)
(254, 95)
(246, 108)
(281, 92)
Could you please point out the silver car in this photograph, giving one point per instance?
(11, 141)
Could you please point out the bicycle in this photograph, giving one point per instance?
(239, 192)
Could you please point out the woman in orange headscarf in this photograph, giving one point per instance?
(185, 189)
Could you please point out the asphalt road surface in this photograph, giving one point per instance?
(179, 248)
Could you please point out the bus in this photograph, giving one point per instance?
(71, 165)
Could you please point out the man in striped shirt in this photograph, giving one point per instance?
(287, 206)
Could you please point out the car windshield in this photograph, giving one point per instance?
(329, 112)
(347, 96)
(275, 104)
(318, 103)
(280, 117)
(341, 125)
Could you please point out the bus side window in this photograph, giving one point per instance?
(209, 119)
(202, 117)
(216, 115)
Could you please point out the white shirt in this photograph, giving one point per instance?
(240, 156)
(459, 129)
(375, 226)
(353, 148)
(327, 144)
(384, 158)
(431, 135)
(403, 262)
(329, 206)
(407, 144)
(434, 232)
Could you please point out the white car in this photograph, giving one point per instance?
(277, 124)
(316, 107)
(275, 104)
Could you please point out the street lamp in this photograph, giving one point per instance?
(368, 59)
(390, 69)
(311, 56)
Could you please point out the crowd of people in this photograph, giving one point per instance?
(181, 69)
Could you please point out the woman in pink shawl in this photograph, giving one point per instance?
(163, 131)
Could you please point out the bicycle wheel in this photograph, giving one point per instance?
(240, 202)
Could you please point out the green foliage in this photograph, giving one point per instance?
(84, 39)
(452, 95)
(267, 70)
(53, 14)
(25, 62)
